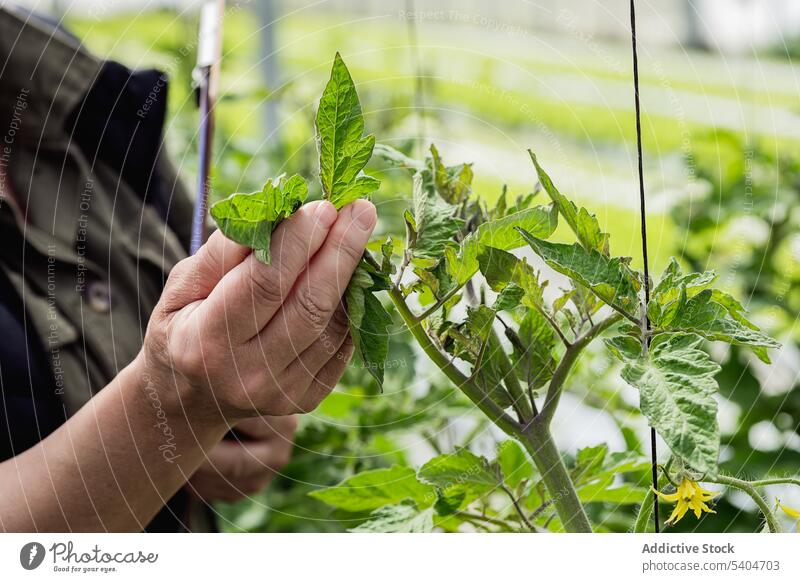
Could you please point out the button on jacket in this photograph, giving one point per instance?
(102, 220)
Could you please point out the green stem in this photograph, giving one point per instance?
(772, 522)
(565, 366)
(438, 305)
(539, 443)
(776, 481)
(554, 324)
(465, 384)
(536, 439)
(483, 518)
(513, 386)
(518, 509)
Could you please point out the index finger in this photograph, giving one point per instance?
(250, 294)
(319, 289)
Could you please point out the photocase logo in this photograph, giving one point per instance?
(31, 555)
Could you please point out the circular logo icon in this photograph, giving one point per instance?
(31, 555)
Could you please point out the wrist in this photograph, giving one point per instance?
(172, 396)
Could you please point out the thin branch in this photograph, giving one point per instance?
(516, 342)
(532, 399)
(541, 509)
(478, 517)
(565, 366)
(488, 406)
(554, 324)
(625, 314)
(776, 481)
(436, 306)
(431, 440)
(521, 513)
(772, 522)
(510, 379)
(402, 268)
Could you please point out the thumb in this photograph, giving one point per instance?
(193, 278)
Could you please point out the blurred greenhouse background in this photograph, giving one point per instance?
(485, 81)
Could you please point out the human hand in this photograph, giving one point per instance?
(244, 339)
(241, 466)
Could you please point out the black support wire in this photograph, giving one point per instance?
(643, 214)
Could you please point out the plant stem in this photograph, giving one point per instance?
(565, 366)
(776, 481)
(536, 439)
(438, 305)
(513, 386)
(541, 509)
(772, 522)
(465, 384)
(484, 518)
(554, 324)
(518, 509)
(539, 443)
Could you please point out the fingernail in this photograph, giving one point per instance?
(364, 214)
(325, 213)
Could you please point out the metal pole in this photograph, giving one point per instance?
(209, 49)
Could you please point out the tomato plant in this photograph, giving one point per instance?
(490, 322)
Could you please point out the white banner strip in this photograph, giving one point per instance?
(400, 557)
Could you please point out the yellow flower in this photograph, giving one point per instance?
(793, 513)
(688, 496)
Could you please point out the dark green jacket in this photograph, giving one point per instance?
(104, 219)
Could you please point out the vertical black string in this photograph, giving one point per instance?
(643, 214)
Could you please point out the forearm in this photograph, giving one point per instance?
(113, 465)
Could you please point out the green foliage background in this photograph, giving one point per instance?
(738, 184)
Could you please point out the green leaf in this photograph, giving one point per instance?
(624, 462)
(502, 269)
(343, 151)
(434, 223)
(609, 278)
(595, 465)
(669, 286)
(624, 347)
(358, 188)
(514, 463)
(249, 219)
(369, 320)
(453, 183)
(499, 234)
(533, 357)
(603, 491)
(370, 490)
(588, 461)
(509, 298)
(396, 158)
(704, 316)
(685, 302)
(448, 504)
(475, 341)
(582, 223)
(387, 251)
(676, 389)
(400, 518)
(497, 266)
(460, 473)
(503, 233)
